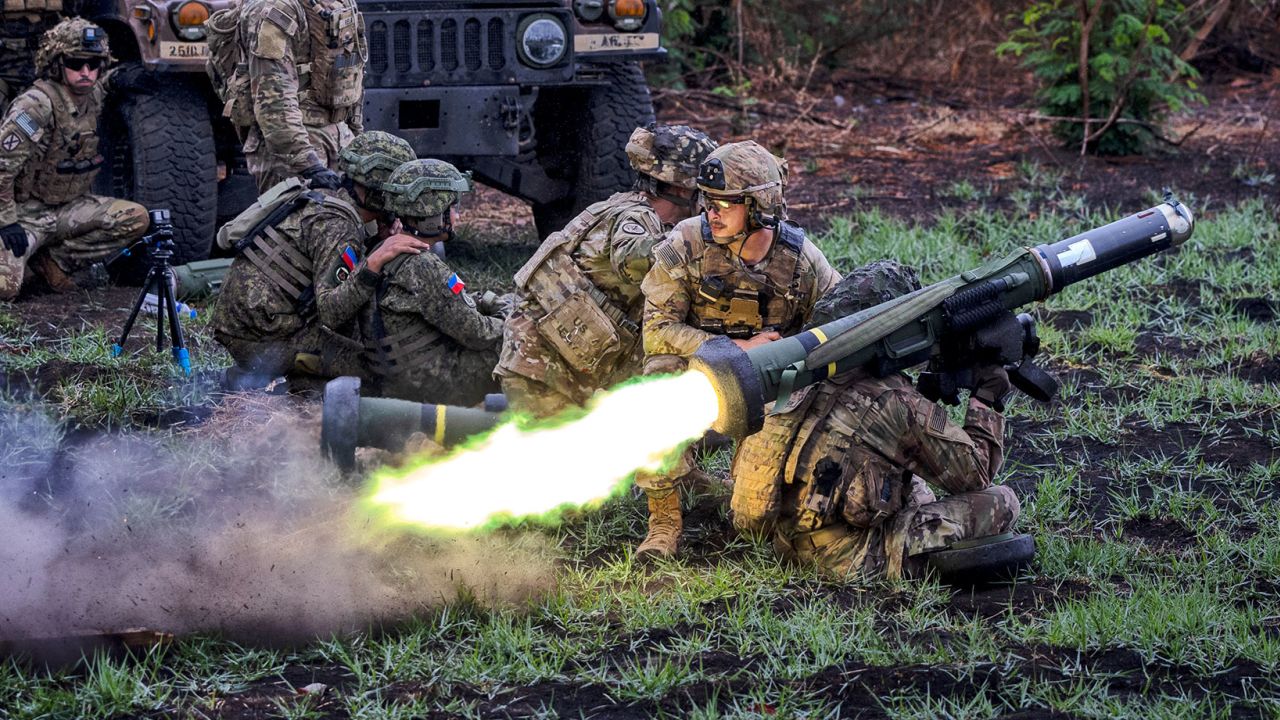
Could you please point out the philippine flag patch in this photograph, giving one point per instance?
(349, 258)
(456, 285)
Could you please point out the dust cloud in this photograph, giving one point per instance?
(237, 526)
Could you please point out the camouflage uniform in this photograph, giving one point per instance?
(840, 475)
(698, 288)
(19, 39)
(49, 159)
(425, 338)
(290, 296)
(576, 327)
(306, 70)
(298, 283)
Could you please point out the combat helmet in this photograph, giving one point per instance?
(73, 38)
(865, 287)
(370, 159)
(421, 192)
(670, 154)
(747, 172)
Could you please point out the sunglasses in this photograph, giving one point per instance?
(82, 63)
(719, 204)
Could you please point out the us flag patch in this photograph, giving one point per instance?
(28, 126)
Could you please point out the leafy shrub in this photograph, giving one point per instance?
(1132, 76)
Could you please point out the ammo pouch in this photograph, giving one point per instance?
(588, 331)
(737, 311)
(848, 477)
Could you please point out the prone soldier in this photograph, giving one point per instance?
(426, 338)
(739, 269)
(840, 476)
(49, 159)
(300, 276)
(305, 67)
(576, 325)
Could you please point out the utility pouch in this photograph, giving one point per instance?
(874, 490)
(580, 331)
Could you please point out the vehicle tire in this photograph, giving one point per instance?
(597, 139)
(160, 153)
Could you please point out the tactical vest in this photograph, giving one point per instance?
(273, 250)
(737, 301)
(330, 65)
(589, 330)
(71, 159)
(847, 473)
(387, 355)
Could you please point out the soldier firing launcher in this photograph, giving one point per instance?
(953, 325)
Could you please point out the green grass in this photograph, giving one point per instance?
(1158, 426)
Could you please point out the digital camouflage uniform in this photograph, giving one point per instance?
(841, 475)
(48, 161)
(698, 287)
(305, 71)
(576, 325)
(425, 338)
(291, 295)
(295, 289)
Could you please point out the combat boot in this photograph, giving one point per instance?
(665, 525)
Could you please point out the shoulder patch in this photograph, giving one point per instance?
(665, 255)
(271, 42)
(10, 142)
(938, 418)
(455, 284)
(631, 227)
(26, 124)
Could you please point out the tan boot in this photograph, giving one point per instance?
(665, 525)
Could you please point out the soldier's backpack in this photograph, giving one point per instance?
(272, 207)
(227, 66)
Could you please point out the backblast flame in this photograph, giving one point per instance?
(517, 473)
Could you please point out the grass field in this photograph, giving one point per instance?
(1152, 485)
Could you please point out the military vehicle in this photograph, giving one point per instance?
(535, 97)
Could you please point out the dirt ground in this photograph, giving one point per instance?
(903, 148)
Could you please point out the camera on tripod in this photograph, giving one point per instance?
(159, 246)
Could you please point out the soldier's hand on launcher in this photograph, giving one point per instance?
(15, 239)
(767, 336)
(393, 246)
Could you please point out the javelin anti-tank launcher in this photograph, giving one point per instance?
(952, 325)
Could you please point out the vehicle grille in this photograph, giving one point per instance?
(415, 49)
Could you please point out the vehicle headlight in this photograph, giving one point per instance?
(627, 15)
(542, 40)
(188, 19)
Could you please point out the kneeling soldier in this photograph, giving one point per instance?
(838, 477)
(298, 281)
(48, 161)
(576, 325)
(426, 338)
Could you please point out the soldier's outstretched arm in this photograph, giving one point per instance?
(274, 85)
(916, 433)
(341, 290)
(22, 136)
(667, 299)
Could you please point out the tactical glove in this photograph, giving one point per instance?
(319, 176)
(990, 386)
(15, 239)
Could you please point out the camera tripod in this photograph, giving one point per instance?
(159, 246)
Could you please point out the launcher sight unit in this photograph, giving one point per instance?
(953, 325)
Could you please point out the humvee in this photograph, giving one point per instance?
(535, 97)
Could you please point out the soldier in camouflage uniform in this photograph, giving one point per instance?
(48, 160)
(739, 269)
(20, 33)
(840, 477)
(426, 338)
(306, 72)
(291, 295)
(576, 327)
